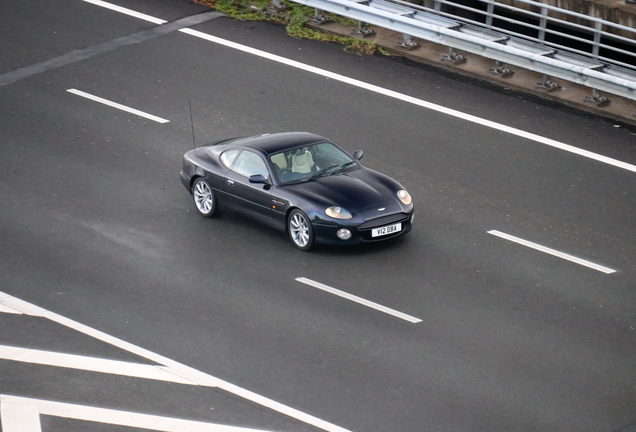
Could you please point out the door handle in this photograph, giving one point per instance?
(230, 182)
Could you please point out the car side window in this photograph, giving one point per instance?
(249, 164)
(228, 157)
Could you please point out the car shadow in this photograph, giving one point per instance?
(372, 248)
(238, 223)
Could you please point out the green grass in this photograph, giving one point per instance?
(294, 17)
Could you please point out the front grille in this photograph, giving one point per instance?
(384, 220)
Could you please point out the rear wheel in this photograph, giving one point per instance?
(204, 198)
(300, 230)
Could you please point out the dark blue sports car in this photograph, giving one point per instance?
(300, 183)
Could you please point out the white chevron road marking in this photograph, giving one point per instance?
(23, 415)
(186, 373)
(91, 364)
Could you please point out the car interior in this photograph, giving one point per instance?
(299, 163)
(249, 164)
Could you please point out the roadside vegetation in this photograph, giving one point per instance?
(295, 17)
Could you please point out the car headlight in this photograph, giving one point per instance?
(337, 213)
(404, 197)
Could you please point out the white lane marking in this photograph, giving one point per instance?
(92, 364)
(179, 369)
(412, 100)
(358, 300)
(386, 92)
(117, 105)
(19, 415)
(36, 407)
(552, 252)
(126, 11)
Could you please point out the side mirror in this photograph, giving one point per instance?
(357, 155)
(258, 178)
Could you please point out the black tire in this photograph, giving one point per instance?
(300, 230)
(204, 199)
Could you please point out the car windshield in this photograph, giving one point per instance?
(309, 162)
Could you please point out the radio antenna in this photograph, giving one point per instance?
(194, 143)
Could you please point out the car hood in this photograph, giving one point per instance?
(355, 190)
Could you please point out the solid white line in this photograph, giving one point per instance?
(552, 252)
(383, 91)
(92, 364)
(126, 11)
(110, 416)
(19, 415)
(358, 300)
(179, 369)
(386, 92)
(412, 100)
(117, 105)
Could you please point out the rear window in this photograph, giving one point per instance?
(227, 158)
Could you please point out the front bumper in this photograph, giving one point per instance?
(361, 232)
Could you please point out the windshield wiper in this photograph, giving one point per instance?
(342, 167)
(319, 173)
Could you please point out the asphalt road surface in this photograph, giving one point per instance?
(103, 256)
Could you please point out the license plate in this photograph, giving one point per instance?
(389, 229)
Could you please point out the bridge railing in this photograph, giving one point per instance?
(552, 26)
(555, 42)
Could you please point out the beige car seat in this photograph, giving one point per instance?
(279, 161)
(302, 162)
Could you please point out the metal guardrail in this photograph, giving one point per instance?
(591, 52)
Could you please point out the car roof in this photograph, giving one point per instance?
(279, 141)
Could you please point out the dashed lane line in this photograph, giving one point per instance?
(359, 300)
(117, 105)
(553, 252)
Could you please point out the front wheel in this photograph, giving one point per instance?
(204, 198)
(300, 230)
